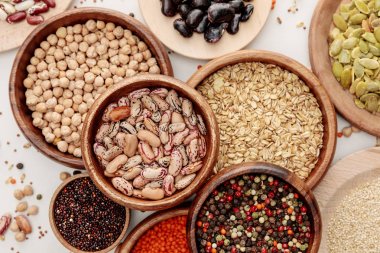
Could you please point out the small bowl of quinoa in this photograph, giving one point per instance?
(254, 207)
(85, 220)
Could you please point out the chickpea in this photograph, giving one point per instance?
(44, 75)
(138, 57)
(110, 36)
(47, 95)
(101, 49)
(70, 74)
(42, 66)
(57, 92)
(91, 52)
(154, 70)
(61, 32)
(90, 63)
(133, 65)
(84, 31)
(38, 122)
(69, 38)
(66, 121)
(151, 62)
(28, 82)
(67, 103)
(82, 108)
(108, 82)
(120, 72)
(57, 132)
(81, 58)
(130, 73)
(49, 138)
(78, 38)
(114, 44)
(65, 130)
(75, 136)
(77, 152)
(88, 87)
(123, 59)
(62, 146)
(118, 32)
(147, 55)
(71, 149)
(72, 64)
(41, 107)
(22, 206)
(18, 194)
(56, 117)
(32, 210)
(76, 120)
(61, 43)
(143, 67)
(34, 61)
(59, 108)
(89, 77)
(92, 38)
(20, 236)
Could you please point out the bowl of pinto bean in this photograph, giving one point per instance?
(150, 142)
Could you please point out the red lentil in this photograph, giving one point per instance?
(167, 236)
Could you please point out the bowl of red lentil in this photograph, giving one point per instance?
(163, 231)
(66, 63)
(254, 207)
(84, 220)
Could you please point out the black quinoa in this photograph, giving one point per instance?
(86, 218)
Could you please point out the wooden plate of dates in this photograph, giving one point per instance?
(203, 29)
(13, 35)
(321, 25)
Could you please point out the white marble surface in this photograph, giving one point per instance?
(44, 173)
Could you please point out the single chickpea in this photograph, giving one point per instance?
(77, 29)
(45, 45)
(83, 46)
(112, 52)
(77, 152)
(67, 103)
(151, 62)
(61, 43)
(41, 107)
(57, 92)
(60, 100)
(59, 108)
(65, 130)
(106, 73)
(56, 117)
(81, 58)
(73, 46)
(154, 70)
(123, 59)
(42, 66)
(34, 61)
(90, 102)
(90, 63)
(33, 76)
(116, 79)
(72, 64)
(78, 38)
(68, 139)
(70, 30)
(78, 92)
(36, 115)
(82, 108)
(48, 116)
(108, 82)
(52, 39)
(142, 46)
(66, 121)
(55, 82)
(131, 41)
(44, 75)
(61, 32)
(133, 65)
(120, 72)
(147, 54)
(49, 138)
(91, 25)
(143, 67)
(70, 74)
(47, 94)
(31, 68)
(130, 73)
(64, 82)
(92, 38)
(38, 122)
(20, 236)
(54, 125)
(110, 36)
(62, 146)
(85, 31)
(91, 52)
(31, 100)
(89, 77)
(88, 87)
(75, 136)
(53, 73)
(96, 70)
(66, 50)
(101, 49)
(134, 49)
(67, 94)
(127, 34)
(123, 42)
(69, 38)
(113, 69)
(104, 41)
(138, 57)
(118, 32)
(103, 64)
(57, 132)
(62, 65)
(32, 210)
(110, 27)
(51, 51)
(115, 60)
(100, 24)
(76, 119)
(28, 82)
(114, 44)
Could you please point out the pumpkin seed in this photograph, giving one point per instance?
(363, 46)
(359, 104)
(372, 104)
(340, 22)
(374, 50)
(376, 33)
(337, 69)
(345, 78)
(357, 33)
(377, 5)
(336, 47)
(358, 69)
(375, 23)
(334, 33)
(370, 37)
(356, 53)
(357, 19)
(367, 97)
(353, 86)
(345, 56)
(350, 43)
(362, 6)
(361, 89)
(369, 63)
(373, 86)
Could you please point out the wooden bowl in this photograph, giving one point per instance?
(148, 223)
(58, 234)
(328, 111)
(256, 168)
(19, 73)
(321, 65)
(93, 122)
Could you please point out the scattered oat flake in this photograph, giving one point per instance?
(300, 24)
(279, 20)
(27, 145)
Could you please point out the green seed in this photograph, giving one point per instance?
(357, 33)
(340, 22)
(361, 89)
(353, 86)
(376, 33)
(370, 37)
(356, 53)
(363, 46)
(374, 50)
(362, 7)
(345, 56)
(373, 86)
(377, 5)
(357, 19)
(372, 104)
(369, 63)
(337, 69)
(358, 69)
(345, 78)
(336, 47)
(350, 43)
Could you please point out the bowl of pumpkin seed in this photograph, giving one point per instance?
(344, 45)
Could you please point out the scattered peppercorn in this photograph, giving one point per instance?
(254, 213)
(20, 166)
(167, 236)
(39, 196)
(87, 219)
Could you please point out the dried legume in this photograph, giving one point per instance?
(265, 113)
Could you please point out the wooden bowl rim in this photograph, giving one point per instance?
(327, 108)
(58, 234)
(178, 197)
(341, 98)
(149, 222)
(47, 149)
(256, 168)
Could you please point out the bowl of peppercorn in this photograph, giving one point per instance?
(254, 207)
(84, 220)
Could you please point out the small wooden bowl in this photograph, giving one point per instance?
(148, 223)
(256, 168)
(321, 25)
(328, 112)
(58, 234)
(93, 122)
(76, 16)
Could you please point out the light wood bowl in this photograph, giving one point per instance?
(17, 90)
(321, 25)
(327, 108)
(148, 223)
(256, 168)
(93, 121)
(58, 234)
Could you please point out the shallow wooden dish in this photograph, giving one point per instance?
(328, 111)
(93, 121)
(18, 74)
(256, 168)
(347, 174)
(58, 234)
(196, 46)
(149, 222)
(13, 35)
(321, 64)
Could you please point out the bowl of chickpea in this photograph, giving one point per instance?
(68, 62)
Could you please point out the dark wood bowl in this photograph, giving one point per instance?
(58, 234)
(256, 168)
(149, 222)
(328, 112)
(321, 64)
(17, 90)
(93, 122)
